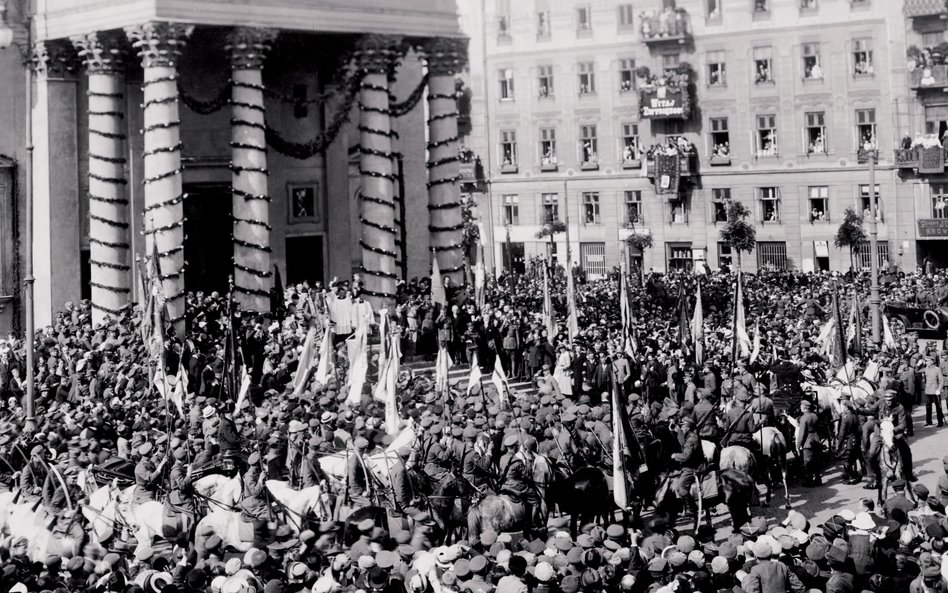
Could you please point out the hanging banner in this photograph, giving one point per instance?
(664, 102)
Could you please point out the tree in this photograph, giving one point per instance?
(850, 235)
(640, 240)
(551, 227)
(739, 234)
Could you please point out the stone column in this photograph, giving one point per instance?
(56, 217)
(248, 147)
(446, 58)
(159, 45)
(377, 56)
(104, 57)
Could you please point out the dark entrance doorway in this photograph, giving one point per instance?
(208, 248)
(304, 259)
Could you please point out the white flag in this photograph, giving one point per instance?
(305, 361)
(499, 379)
(756, 351)
(383, 336)
(392, 419)
(359, 367)
(887, 338)
(442, 364)
(244, 388)
(474, 378)
(326, 359)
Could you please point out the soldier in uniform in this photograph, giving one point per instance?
(741, 424)
(517, 481)
(179, 488)
(892, 410)
(147, 475)
(847, 443)
(706, 417)
(253, 500)
(808, 442)
(401, 484)
(294, 452)
(34, 473)
(691, 459)
(356, 480)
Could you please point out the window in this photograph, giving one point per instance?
(725, 255)
(865, 127)
(679, 208)
(717, 71)
(631, 147)
(720, 198)
(511, 209)
(588, 145)
(593, 258)
(819, 203)
(625, 16)
(772, 254)
(807, 4)
(815, 132)
(503, 20)
(543, 22)
(939, 200)
(508, 148)
(584, 20)
(763, 65)
(862, 57)
(545, 79)
(670, 63)
(506, 84)
(769, 199)
(866, 205)
(761, 6)
(767, 135)
(714, 9)
(865, 249)
(626, 75)
(720, 139)
(548, 146)
(633, 207)
(551, 206)
(591, 207)
(679, 256)
(587, 78)
(812, 66)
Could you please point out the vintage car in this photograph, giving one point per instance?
(928, 322)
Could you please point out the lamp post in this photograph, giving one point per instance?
(872, 155)
(6, 40)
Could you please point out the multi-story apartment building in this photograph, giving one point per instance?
(770, 102)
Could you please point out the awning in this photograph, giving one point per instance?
(915, 8)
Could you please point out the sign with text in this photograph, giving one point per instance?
(664, 102)
(933, 227)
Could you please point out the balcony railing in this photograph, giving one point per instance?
(687, 165)
(930, 77)
(668, 27)
(922, 8)
(925, 160)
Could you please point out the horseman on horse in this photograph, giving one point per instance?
(889, 409)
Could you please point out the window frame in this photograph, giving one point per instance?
(865, 202)
(508, 138)
(942, 195)
(717, 58)
(627, 69)
(815, 121)
(759, 57)
(506, 81)
(766, 197)
(811, 50)
(675, 252)
(872, 125)
(714, 131)
(759, 138)
(821, 195)
(729, 256)
(549, 208)
(584, 20)
(713, 15)
(720, 197)
(502, 17)
(544, 32)
(869, 52)
(545, 75)
(809, 5)
(588, 70)
(783, 262)
(511, 209)
(548, 136)
(591, 205)
(760, 7)
(626, 16)
(593, 138)
(627, 130)
(632, 199)
(684, 200)
(667, 67)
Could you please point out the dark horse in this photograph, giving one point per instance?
(448, 502)
(584, 495)
(737, 491)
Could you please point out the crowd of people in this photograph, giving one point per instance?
(99, 406)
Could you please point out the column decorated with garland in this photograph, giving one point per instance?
(104, 57)
(159, 45)
(377, 57)
(248, 49)
(445, 57)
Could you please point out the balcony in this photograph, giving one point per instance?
(933, 77)
(471, 171)
(925, 160)
(687, 165)
(923, 8)
(669, 27)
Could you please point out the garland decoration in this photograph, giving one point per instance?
(116, 289)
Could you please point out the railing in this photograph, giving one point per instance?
(668, 26)
(687, 165)
(930, 77)
(928, 161)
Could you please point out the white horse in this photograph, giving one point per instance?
(225, 525)
(829, 397)
(24, 520)
(890, 461)
(300, 503)
(381, 462)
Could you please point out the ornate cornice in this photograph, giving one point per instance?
(54, 59)
(159, 44)
(445, 56)
(103, 52)
(248, 47)
(378, 54)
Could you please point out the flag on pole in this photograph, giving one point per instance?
(324, 368)
(549, 319)
(244, 388)
(358, 367)
(887, 338)
(392, 419)
(437, 284)
(620, 447)
(697, 327)
(840, 336)
(826, 337)
(383, 336)
(170, 390)
(755, 352)
(442, 365)
(474, 378)
(742, 342)
(307, 354)
(277, 300)
(628, 317)
(499, 379)
(573, 320)
(480, 281)
(684, 335)
(854, 329)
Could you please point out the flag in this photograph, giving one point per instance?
(277, 300)
(480, 280)
(387, 387)
(437, 284)
(549, 319)
(854, 331)
(383, 336)
(244, 388)
(840, 336)
(755, 352)
(697, 327)
(499, 379)
(826, 337)
(442, 365)
(325, 366)
(887, 338)
(684, 337)
(742, 342)
(305, 361)
(628, 317)
(170, 389)
(620, 446)
(573, 320)
(474, 378)
(358, 368)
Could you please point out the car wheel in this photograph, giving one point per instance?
(931, 319)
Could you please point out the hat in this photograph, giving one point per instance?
(847, 515)
(207, 412)
(728, 551)
(254, 458)
(719, 565)
(762, 550)
(864, 521)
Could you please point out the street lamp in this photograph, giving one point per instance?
(871, 152)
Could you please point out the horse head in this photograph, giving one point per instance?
(887, 432)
